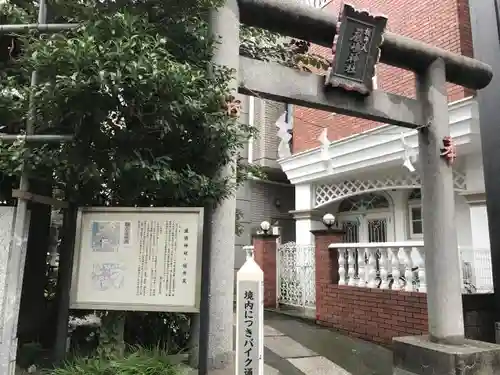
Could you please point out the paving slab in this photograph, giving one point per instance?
(270, 331)
(356, 356)
(317, 366)
(268, 370)
(286, 347)
(273, 363)
(282, 365)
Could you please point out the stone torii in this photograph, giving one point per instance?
(428, 113)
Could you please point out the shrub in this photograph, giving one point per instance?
(138, 362)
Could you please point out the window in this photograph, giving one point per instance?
(415, 214)
(368, 201)
(416, 227)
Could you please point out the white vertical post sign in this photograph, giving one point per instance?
(249, 317)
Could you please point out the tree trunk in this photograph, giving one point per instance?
(111, 334)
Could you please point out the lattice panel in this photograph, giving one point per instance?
(327, 193)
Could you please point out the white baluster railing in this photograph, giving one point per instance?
(421, 270)
(351, 271)
(401, 266)
(372, 267)
(384, 266)
(361, 267)
(342, 263)
(395, 269)
(408, 268)
(387, 265)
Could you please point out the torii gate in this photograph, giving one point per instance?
(428, 113)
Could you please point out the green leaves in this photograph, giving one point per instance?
(132, 84)
(139, 361)
(264, 45)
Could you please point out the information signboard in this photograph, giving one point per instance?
(137, 259)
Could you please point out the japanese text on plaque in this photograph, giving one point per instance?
(359, 42)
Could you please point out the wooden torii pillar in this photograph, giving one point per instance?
(446, 348)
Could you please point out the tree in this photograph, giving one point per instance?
(136, 87)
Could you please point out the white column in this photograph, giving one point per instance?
(400, 201)
(304, 195)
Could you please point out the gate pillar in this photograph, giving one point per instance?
(327, 265)
(264, 249)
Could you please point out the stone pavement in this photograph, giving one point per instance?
(296, 347)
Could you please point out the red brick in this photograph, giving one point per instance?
(444, 23)
(265, 257)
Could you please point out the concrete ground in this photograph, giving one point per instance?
(295, 347)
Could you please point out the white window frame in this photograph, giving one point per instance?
(412, 205)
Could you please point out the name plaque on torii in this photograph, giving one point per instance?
(356, 50)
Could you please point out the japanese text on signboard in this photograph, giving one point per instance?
(249, 344)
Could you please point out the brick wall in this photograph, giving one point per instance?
(443, 23)
(373, 314)
(379, 315)
(265, 257)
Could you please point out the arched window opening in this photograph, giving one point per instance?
(368, 201)
(415, 194)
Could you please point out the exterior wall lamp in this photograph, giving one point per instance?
(328, 220)
(265, 226)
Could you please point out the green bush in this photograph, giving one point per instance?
(138, 362)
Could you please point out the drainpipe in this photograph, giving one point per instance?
(251, 119)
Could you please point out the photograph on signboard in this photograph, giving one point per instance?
(141, 259)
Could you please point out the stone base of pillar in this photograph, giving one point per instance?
(416, 355)
(497, 332)
(222, 363)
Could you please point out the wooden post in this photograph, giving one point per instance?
(442, 262)
(249, 317)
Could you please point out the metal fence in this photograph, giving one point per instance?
(296, 270)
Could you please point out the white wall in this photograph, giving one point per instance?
(463, 222)
(474, 173)
(479, 221)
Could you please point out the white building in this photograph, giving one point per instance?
(364, 182)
